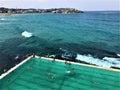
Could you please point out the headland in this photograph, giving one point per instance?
(8, 11)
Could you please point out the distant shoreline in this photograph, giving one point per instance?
(32, 10)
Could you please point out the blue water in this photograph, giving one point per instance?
(90, 33)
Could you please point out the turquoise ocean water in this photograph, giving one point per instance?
(93, 36)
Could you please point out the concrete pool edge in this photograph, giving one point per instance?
(15, 67)
(25, 60)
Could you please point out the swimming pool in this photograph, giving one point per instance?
(44, 74)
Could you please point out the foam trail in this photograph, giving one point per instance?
(105, 62)
(26, 34)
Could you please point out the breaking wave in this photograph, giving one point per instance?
(118, 55)
(26, 34)
(105, 62)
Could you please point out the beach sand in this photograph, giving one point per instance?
(5, 14)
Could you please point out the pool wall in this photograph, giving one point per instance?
(80, 64)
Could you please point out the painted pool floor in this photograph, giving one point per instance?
(42, 74)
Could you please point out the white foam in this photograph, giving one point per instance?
(2, 19)
(105, 62)
(118, 55)
(26, 34)
(110, 58)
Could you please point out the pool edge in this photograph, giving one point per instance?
(111, 69)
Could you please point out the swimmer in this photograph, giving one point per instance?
(71, 72)
(33, 55)
(50, 75)
(29, 68)
(48, 55)
(13, 71)
(53, 60)
(39, 56)
(67, 62)
(68, 72)
(95, 82)
(8, 80)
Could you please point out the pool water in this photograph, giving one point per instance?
(44, 74)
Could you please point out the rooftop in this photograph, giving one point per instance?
(46, 74)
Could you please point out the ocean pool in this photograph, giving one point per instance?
(45, 74)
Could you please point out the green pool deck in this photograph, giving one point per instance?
(43, 74)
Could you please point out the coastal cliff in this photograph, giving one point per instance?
(54, 10)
